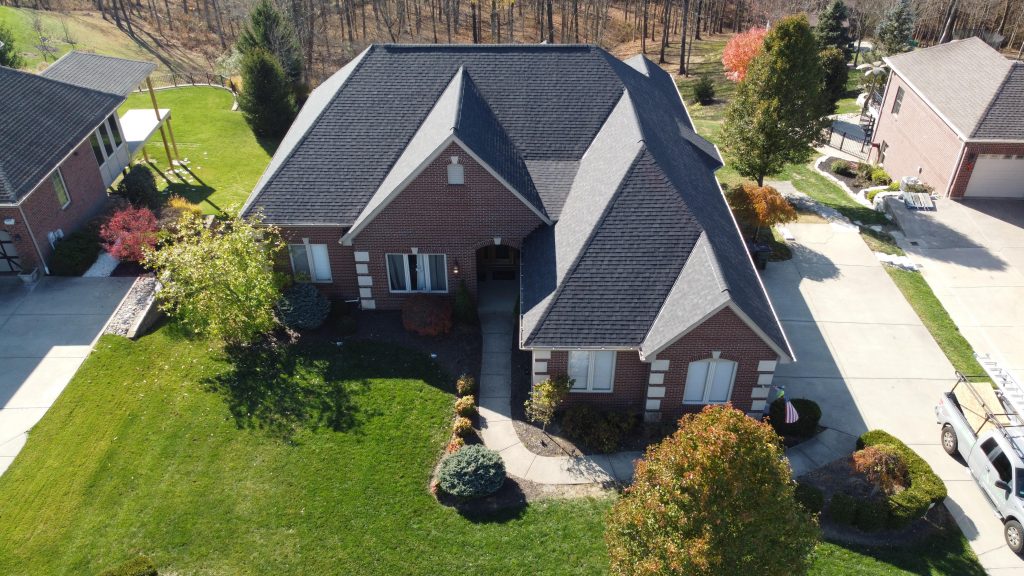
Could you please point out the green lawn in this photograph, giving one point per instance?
(158, 447)
(934, 316)
(939, 556)
(225, 158)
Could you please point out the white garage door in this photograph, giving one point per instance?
(997, 176)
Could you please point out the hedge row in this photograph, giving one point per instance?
(925, 489)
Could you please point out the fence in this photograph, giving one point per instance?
(854, 144)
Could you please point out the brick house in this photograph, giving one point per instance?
(570, 177)
(62, 143)
(953, 116)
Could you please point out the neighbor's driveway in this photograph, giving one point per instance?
(45, 334)
(972, 254)
(864, 356)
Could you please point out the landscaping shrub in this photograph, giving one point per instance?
(894, 186)
(809, 497)
(804, 427)
(454, 445)
(872, 193)
(465, 307)
(864, 170)
(920, 188)
(925, 486)
(472, 472)
(176, 208)
(871, 514)
(427, 315)
(843, 168)
(704, 90)
(138, 566)
(545, 399)
(465, 406)
(883, 466)
(462, 426)
(303, 307)
(842, 508)
(465, 385)
(880, 176)
(600, 430)
(129, 234)
(139, 187)
(73, 255)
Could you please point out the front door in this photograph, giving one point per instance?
(9, 260)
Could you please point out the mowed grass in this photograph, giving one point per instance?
(86, 31)
(225, 159)
(937, 320)
(942, 555)
(316, 463)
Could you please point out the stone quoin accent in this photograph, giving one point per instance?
(655, 389)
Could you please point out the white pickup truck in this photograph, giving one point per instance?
(983, 427)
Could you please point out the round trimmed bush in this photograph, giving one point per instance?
(804, 427)
(842, 508)
(73, 255)
(472, 472)
(465, 406)
(809, 497)
(926, 488)
(139, 187)
(303, 307)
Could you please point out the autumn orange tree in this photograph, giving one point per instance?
(715, 498)
(758, 207)
(740, 50)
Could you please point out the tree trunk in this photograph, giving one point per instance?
(551, 23)
(947, 30)
(682, 37)
(472, 20)
(666, 19)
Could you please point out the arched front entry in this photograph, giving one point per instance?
(497, 276)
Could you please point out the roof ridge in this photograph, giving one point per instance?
(40, 76)
(583, 249)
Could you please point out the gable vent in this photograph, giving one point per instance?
(456, 172)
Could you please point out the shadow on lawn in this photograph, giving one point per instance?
(944, 553)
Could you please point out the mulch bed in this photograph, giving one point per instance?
(852, 182)
(839, 476)
(131, 270)
(511, 500)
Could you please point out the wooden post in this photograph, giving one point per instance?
(174, 143)
(163, 135)
(145, 155)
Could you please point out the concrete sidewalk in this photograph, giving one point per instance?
(866, 358)
(45, 334)
(497, 324)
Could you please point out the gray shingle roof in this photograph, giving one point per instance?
(1004, 119)
(962, 79)
(604, 147)
(101, 73)
(41, 122)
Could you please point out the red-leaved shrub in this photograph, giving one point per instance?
(128, 233)
(740, 50)
(427, 315)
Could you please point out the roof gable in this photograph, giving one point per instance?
(101, 73)
(1004, 118)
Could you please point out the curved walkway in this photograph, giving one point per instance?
(496, 429)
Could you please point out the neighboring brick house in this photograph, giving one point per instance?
(61, 145)
(558, 169)
(953, 116)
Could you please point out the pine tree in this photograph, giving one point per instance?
(9, 56)
(268, 30)
(266, 99)
(896, 28)
(836, 73)
(777, 112)
(830, 30)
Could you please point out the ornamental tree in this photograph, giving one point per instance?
(129, 234)
(740, 51)
(545, 399)
(219, 281)
(715, 498)
(777, 112)
(757, 207)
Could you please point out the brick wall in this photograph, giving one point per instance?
(963, 175)
(917, 138)
(43, 212)
(343, 286)
(21, 237)
(436, 218)
(724, 332)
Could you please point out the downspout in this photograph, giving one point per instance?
(956, 168)
(32, 235)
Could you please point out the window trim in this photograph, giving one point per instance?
(714, 362)
(64, 186)
(590, 371)
(408, 273)
(897, 101)
(311, 263)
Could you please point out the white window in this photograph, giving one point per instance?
(709, 381)
(417, 272)
(593, 371)
(897, 102)
(63, 198)
(456, 173)
(310, 262)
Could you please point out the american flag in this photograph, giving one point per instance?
(791, 414)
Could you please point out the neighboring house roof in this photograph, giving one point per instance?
(975, 88)
(41, 122)
(101, 73)
(602, 148)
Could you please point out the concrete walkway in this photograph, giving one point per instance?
(497, 324)
(45, 334)
(865, 357)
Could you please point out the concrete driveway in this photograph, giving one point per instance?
(45, 334)
(972, 254)
(864, 356)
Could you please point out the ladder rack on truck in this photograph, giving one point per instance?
(980, 413)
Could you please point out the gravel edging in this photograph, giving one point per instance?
(136, 303)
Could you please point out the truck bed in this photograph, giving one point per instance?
(972, 409)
